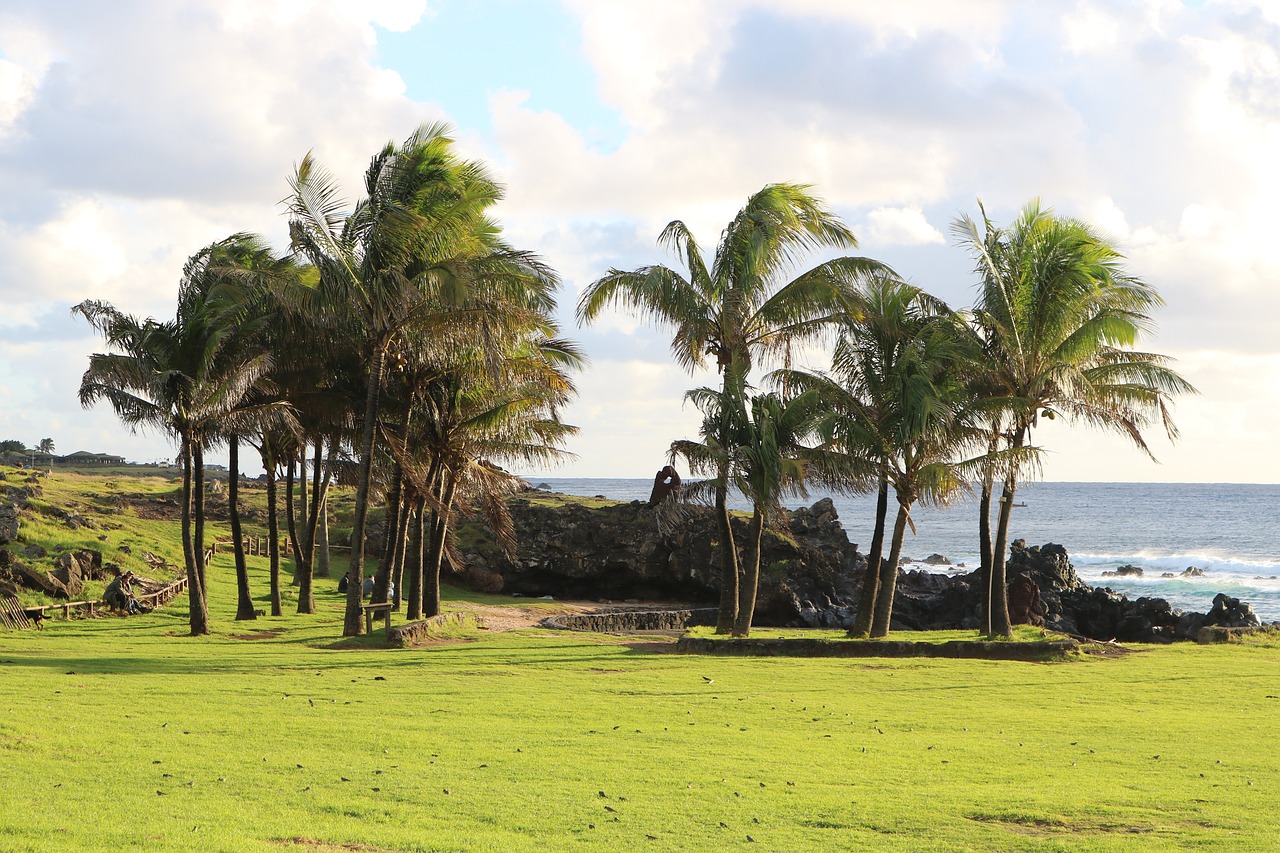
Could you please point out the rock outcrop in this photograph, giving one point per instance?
(13, 500)
(631, 552)
(810, 574)
(73, 568)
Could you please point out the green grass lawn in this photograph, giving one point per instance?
(274, 735)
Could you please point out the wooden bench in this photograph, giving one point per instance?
(369, 609)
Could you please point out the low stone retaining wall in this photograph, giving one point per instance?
(621, 621)
(815, 648)
(1211, 634)
(411, 633)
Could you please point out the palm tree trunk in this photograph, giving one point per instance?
(402, 533)
(305, 564)
(302, 501)
(322, 541)
(727, 616)
(244, 601)
(197, 510)
(198, 604)
(751, 575)
(273, 531)
(318, 486)
(889, 575)
(351, 624)
(290, 473)
(984, 543)
(984, 533)
(188, 548)
(434, 561)
(301, 524)
(321, 561)
(998, 604)
(871, 574)
(302, 566)
(390, 526)
(413, 561)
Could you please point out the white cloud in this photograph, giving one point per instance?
(1109, 219)
(901, 226)
(1090, 28)
(132, 134)
(1220, 430)
(629, 412)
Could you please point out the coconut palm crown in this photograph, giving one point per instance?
(1056, 321)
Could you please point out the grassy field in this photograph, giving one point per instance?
(274, 735)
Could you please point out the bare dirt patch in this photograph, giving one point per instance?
(498, 617)
(153, 509)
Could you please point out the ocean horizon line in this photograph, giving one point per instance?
(1021, 486)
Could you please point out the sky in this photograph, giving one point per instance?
(134, 133)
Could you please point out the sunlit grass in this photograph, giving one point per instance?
(275, 735)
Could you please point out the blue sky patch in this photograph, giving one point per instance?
(461, 52)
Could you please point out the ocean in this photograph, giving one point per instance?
(1227, 530)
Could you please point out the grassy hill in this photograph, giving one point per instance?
(274, 735)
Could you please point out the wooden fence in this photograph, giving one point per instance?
(258, 546)
(8, 606)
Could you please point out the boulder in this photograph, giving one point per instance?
(1192, 572)
(73, 520)
(1048, 565)
(37, 581)
(1228, 612)
(1189, 625)
(8, 523)
(1025, 605)
(936, 560)
(73, 568)
(1124, 572)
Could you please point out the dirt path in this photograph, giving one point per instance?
(497, 617)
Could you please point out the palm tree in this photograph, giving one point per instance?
(1055, 323)
(390, 264)
(767, 464)
(895, 416)
(146, 382)
(743, 305)
(239, 281)
(191, 377)
(931, 425)
(473, 411)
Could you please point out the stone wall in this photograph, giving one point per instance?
(412, 633)
(621, 621)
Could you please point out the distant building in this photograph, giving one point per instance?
(84, 457)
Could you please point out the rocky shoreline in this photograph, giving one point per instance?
(810, 574)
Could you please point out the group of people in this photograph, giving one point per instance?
(119, 594)
(366, 590)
